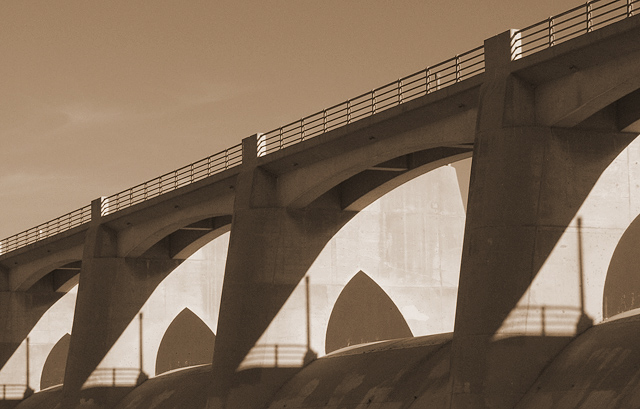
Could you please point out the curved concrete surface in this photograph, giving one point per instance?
(405, 373)
(600, 368)
(186, 388)
(91, 398)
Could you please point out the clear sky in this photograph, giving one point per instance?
(98, 96)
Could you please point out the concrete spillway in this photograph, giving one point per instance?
(601, 367)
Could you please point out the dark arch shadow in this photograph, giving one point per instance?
(622, 285)
(364, 313)
(188, 341)
(54, 367)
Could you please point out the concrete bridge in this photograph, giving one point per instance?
(548, 113)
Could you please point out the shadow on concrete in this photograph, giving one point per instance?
(364, 312)
(188, 341)
(54, 366)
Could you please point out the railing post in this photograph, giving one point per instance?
(589, 22)
(261, 144)
(516, 45)
(427, 74)
(551, 35)
(280, 146)
(373, 102)
(99, 208)
(348, 111)
(399, 90)
(457, 68)
(629, 8)
(302, 129)
(324, 120)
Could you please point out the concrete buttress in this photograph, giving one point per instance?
(111, 291)
(528, 182)
(271, 248)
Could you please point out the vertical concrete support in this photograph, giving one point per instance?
(111, 291)
(527, 184)
(270, 250)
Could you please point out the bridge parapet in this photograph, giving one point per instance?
(572, 23)
(554, 30)
(431, 79)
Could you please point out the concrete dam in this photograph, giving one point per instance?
(463, 237)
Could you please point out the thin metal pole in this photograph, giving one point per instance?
(580, 265)
(141, 344)
(589, 22)
(306, 281)
(28, 363)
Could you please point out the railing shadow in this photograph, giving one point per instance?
(114, 377)
(14, 392)
(546, 320)
(278, 356)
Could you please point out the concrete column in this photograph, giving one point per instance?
(111, 291)
(527, 184)
(270, 250)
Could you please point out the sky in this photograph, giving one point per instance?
(98, 96)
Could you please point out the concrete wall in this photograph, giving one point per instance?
(408, 242)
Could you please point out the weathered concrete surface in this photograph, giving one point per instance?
(528, 183)
(257, 283)
(111, 292)
(597, 369)
(91, 398)
(600, 369)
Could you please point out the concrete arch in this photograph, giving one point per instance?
(423, 218)
(140, 231)
(177, 240)
(366, 187)
(450, 136)
(25, 276)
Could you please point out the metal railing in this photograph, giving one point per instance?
(554, 30)
(112, 377)
(405, 89)
(573, 23)
(168, 182)
(44, 230)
